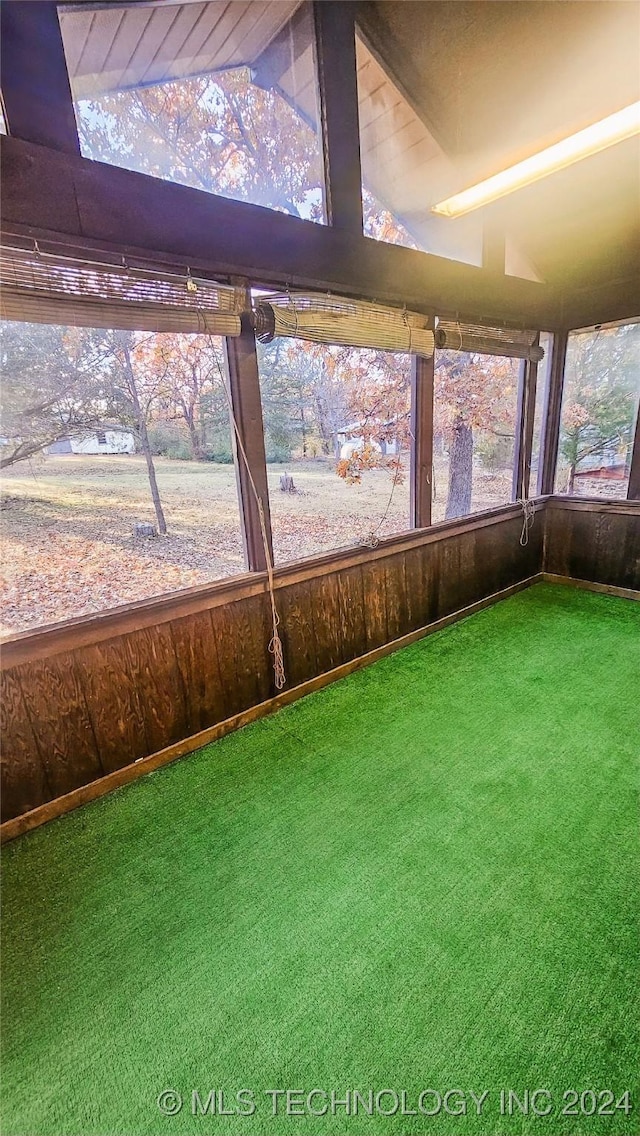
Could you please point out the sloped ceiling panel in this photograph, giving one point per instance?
(117, 46)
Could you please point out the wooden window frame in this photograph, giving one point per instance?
(550, 435)
(550, 432)
(422, 407)
(633, 490)
(31, 46)
(527, 383)
(248, 445)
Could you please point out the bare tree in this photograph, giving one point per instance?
(123, 346)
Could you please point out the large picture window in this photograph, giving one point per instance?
(218, 96)
(599, 409)
(475, 420)
(118, 476)
(337, 422)
(405, 171)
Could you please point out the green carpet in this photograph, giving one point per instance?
(420, 878)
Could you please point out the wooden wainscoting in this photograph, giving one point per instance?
(594, 542)
(84, 701)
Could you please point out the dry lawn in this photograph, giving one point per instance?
(67, 527)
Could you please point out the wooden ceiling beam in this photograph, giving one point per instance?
(35, 85)
(75, 200)
(336, 52)
(605, 302)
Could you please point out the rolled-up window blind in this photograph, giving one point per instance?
(38, 288)
(337, 320)
(477, 339)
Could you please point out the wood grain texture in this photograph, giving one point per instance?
(351, 601)
(395, 588)
(240, 663)
(113, 703)
(586, 544)
(251, 472)
(158, 683)
(197, 661)
(375, 604)
(327, 618)
(297, 631)
(258, 610)
(448, 582)
(24, 781)
(421, 572)
(56, 706)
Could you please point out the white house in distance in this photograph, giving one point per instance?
(351, 441)
(112, 439)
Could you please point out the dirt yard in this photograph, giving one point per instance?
(67, 527)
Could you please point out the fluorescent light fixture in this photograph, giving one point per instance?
(615, 128)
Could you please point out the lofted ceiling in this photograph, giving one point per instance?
(497, 80)
(111, 47)
(450, 91)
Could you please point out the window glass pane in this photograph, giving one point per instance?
(599, 408)
(475, 412)
(337, 423)
(78, 480)
(218, 96)
(405, 171)
(542, 383)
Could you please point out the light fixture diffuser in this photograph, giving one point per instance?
(615, 128)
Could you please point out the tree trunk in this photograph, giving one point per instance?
(151, 470)
(572, 478)
(123, 339)
(196, 443)
(460, 471)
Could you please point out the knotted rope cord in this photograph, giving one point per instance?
(275, 643)
(528, 516)
(405, 320)
(372, 540)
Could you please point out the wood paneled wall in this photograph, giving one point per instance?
(598, 541)
(97, 694)
(88, 698)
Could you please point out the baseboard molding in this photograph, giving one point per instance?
(51, 810)
(592, 586)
